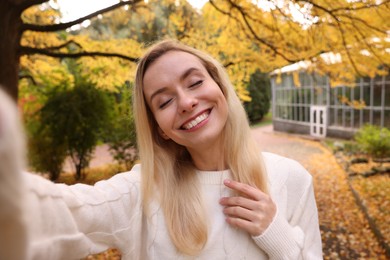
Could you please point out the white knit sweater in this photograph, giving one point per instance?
(69, 222)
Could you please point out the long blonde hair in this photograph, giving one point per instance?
(168, 166)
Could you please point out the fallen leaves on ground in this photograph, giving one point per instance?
(344, 229)
(375, 195)
(111, 254)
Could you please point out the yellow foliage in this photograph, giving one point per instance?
(351, 31)
(356, 104)
(296, 80)
(41, 15)
(246, 38)
(279, 78)
(107, 72)
(45, 69)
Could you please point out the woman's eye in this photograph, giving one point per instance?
(164, 104)
(197, 83)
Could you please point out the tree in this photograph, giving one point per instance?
(120, 133)
(77, 116)
(343, 39)
(243, 35)
(12, 27)
(46, 152)
(156, 20)
(259, 88)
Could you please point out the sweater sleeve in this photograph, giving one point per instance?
(294, 235)
(70, 222)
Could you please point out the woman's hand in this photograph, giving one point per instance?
(252, 213)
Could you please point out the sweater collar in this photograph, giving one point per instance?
(213, 177)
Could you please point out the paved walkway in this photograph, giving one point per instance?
(101, 156)
(295, 147)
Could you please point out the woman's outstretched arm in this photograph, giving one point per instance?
(13, 229)
(43, 220)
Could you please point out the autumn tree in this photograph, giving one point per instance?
(14, 24)
(343, 39)
(156, 20)
(243, 34)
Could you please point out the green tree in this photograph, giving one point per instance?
(46, 153)
(120, 133)
(78, 117)
(259, 89)
(27, 29)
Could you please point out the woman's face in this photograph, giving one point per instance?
(187, 104)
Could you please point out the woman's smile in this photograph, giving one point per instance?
(197, 122)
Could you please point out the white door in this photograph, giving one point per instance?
(318, 121)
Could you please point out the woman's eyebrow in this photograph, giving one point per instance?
(188, 72)
(158, 91)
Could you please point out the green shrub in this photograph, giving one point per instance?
(259, 89)
(69, 124)
(46, 154)
(374, 140)
(120, 133)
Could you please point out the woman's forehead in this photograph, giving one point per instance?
(172, 64)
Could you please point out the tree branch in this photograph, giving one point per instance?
(28, 3)
(29, 50)
(63, 26)
(368, 6)
(348, 9)
(29, 77)
(365, 23)
(63, 45)
(346, 49)
(263, 41)
(372, 50)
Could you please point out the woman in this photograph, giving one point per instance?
(203, 190)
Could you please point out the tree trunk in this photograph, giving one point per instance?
(10, 34)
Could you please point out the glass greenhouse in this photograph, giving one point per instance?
(317, 109)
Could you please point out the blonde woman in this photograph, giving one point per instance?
(203, 189)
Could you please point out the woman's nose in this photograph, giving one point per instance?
(187, 102)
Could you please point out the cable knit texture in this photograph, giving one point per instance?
(70, 222)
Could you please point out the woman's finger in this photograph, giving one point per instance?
(246, 189)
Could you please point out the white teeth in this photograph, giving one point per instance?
(196, 121)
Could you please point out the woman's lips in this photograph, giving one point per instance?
(197, 120)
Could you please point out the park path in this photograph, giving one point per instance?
(344, 230)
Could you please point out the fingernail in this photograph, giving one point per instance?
(227, 181)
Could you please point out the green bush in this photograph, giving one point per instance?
(374, 140)
(76, 118)
(46, 154)
(120, 133)
(259, 89)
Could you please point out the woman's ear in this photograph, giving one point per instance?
(162, 134)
